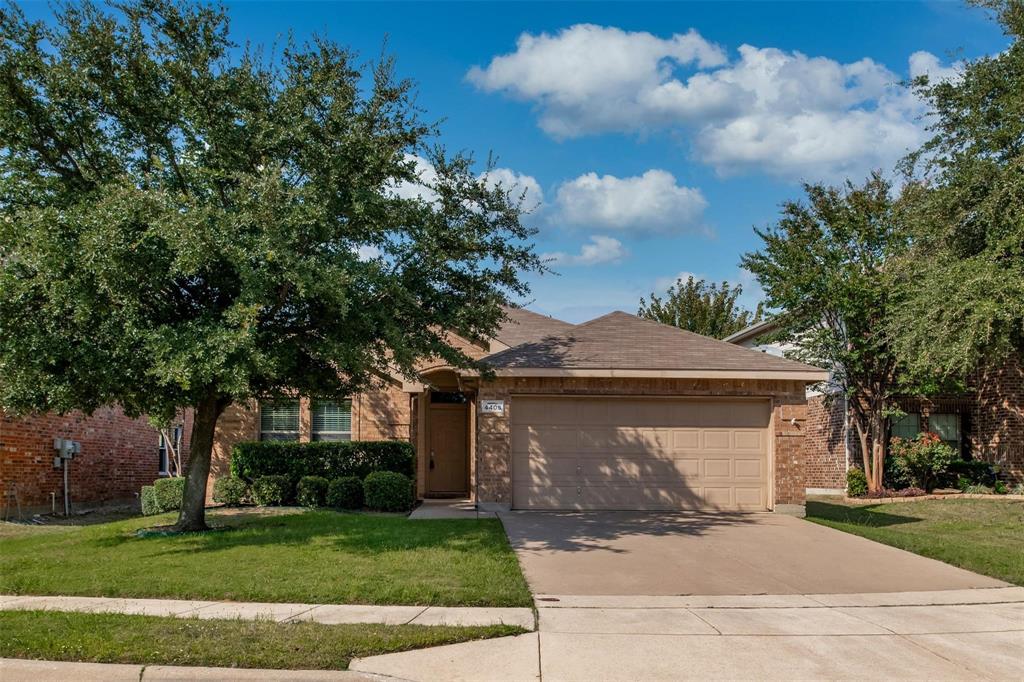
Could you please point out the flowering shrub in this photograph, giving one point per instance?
(922, 460)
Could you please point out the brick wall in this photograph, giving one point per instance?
(119, 456)
(789, 414)
(998, 416)
(824, 450)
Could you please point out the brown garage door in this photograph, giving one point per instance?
(635, 453)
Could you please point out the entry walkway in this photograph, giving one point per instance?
(329, 614)
(948, 635)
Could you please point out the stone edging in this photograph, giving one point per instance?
(953, 496)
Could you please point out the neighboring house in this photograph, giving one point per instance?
(986, 422)
(616, 413)
(118, 456)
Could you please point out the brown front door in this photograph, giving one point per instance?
(447, 467)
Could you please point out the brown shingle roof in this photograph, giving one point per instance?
(626, 342)
(525, 325)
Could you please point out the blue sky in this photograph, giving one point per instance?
(653, 136)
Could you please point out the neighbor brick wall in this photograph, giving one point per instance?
(824, 448)
(494, 442)
(998, 417)
(119, 456)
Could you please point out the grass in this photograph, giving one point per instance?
(984, 536)
(308, 557)
(152, 640)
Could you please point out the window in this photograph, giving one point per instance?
(907, 426)
(279, 420)
(331, 420)
(947, 427)
(164, 452)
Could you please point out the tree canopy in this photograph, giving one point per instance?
(823, 265)
(701, 307)
(186, 223)
(962, 282)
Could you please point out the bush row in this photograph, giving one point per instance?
(163, 496)
(328, 460)
(380, 491)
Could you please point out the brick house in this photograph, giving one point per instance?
(615, 413)
(119, 455)
(986, 422)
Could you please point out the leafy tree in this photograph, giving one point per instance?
(700, 307)
(823, 266)
(962, 283)
(185, 224)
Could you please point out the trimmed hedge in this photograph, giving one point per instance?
(169, 493)
(856, 482)
(311, 491)
(230, 491)
(345, 493)
(388, 491)
(148, 496)
(271, 490)
(330, 459)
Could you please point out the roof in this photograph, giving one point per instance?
(753, 331)
(525, 325)
(620, 344)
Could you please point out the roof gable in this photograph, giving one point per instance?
(525, 325)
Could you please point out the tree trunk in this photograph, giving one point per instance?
(866, 455)
(193, 507)
(878, 448)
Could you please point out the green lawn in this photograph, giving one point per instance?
(985, 536)
(318, 557)
(151, 640)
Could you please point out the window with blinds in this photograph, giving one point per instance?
(907, 426)
(332, 420)
(279, 420)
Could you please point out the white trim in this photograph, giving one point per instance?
(780, 375)
(825, 492)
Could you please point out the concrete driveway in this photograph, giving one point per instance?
(627, 553)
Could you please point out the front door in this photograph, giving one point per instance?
(447, 467)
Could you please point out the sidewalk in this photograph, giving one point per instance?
(328, 614)
(16, 670)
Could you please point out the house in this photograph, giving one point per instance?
(118, 456)
(615, 413)
(986, 422)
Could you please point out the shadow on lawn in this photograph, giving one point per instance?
(861, 516)
(360, 534)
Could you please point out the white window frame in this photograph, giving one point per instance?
(318, 435)
(289, 434)
(953, 443)
(164, 464)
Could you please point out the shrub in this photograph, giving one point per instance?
(345, 493)
(148, 497)
(311, 491)
(977, 489)
(973, 471)
(1017, 489)
(169, 493)
(895, 474)
(271, 490)
(925, 458)
(230, 491)
(331, 460)
(388, 491)
(856, 482)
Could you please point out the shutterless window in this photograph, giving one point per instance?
(164, 452)
(279, 420)
(947, 427)
(332, 420)
(907, 426)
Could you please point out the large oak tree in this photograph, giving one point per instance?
(185, 223)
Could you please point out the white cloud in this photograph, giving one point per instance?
(368, 252)
(781, 112)
(521, 185)
(600, 250)
(585, 77)
(652, 203)
(926, 64)
(427, 179)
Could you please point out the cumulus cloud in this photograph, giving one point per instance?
(598, 251)
(652, 203)
(420, 189)
(782, 112)
(926, 64)
(521, 186)
(368, 252)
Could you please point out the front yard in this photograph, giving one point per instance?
(984, 536)
(282, 556)
(108, 638)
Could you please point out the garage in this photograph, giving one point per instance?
(634, 453)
